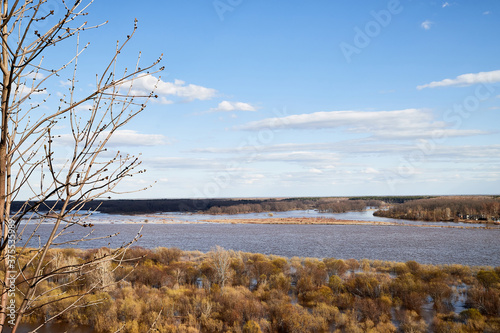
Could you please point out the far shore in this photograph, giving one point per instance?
(299, 221)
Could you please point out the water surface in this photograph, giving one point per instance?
(394, 243)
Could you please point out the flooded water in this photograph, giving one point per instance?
(175, 217)
(394, 243)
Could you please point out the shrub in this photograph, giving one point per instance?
(488, 278)
(166, 256)
(251, 327)
(412, 323)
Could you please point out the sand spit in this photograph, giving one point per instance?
(298, 220)
(330, 221)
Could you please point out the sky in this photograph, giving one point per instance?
(268, 98)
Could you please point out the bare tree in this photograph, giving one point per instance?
(221, 263)
(55, 184)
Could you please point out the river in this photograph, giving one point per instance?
(428, 245)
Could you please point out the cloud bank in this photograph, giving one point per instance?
(465, 80)
(399, 124)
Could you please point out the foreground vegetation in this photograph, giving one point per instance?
(226, 291)
(468, 209)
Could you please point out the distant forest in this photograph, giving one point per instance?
(147, 206)
(326, 205)
(472, 208)
(222, 206)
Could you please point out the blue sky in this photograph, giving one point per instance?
(311, 98)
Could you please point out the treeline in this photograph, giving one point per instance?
(476, 208)
(267, 206)
(392, 199)
(148, 205)
(348, 205)
(226, 291)
(211, 206)
(324, 205)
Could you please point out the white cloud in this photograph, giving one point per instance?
(66, 83)
(35, 76)
(336, 119)
(426, 24)
(370, 170)
(299, 156)
(23, 90)
(123, 138)
(399, 124)
(486, 13)
(446, 4)
(339, 151)
(186, 163)
(465, 80)
(353, 146)
(146, 84)
(438, 130)
(162, 100)
(226, 106)
(252, 178)
(133, 138)
(467, 154)
(84, 107)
